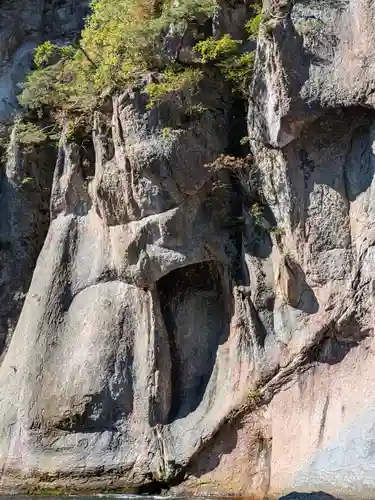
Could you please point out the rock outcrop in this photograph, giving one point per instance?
(169, 337)
(25, 176)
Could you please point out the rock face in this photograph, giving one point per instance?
(24, 25)
(170, 338)
(26, 176)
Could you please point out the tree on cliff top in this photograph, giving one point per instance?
(120, 41)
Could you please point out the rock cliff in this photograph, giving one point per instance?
(173, 336)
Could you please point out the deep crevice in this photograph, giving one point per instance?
(236, 148)
(194, 308)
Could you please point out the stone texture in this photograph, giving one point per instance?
(111, 375)
(25, 187)
(310, 291)
(169, 336)
(23, 25)
(26, 176)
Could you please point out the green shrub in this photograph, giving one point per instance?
(66, 85)
(311, 26)
(188, 10)
(253, 25)
(238, 70)
(213, 49)
(194, 111)
(277, 231)
(40, 88)
(4, 141)
(166, 132)
(47, 51)
(257, 213)
(120, 40)
(224, 52)
(30, 134)
(184, 81)
(43, 53)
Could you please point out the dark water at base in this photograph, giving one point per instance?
(113, 496)
(104, 496)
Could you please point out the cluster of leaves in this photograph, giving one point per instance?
(309, 27)
(4, 141)
(238, 70)
(213, 49)
(29, 134)
(236, 67)
(119, 42)
(257, 213)
(253, 25)
(61, 82)
(183, 80)
(225, 53)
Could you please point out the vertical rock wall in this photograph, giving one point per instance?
(171, 335)
(25, 173)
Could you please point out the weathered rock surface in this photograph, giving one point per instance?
(161, 341)
(24, 25)
(26, 176)
(25, 187)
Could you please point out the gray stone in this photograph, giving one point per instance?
(26, 176)
(23, 25)
(169, 336)
(111, 373)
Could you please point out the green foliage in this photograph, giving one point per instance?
(47, 51)
(184, 81)
(252, 26)
(118, 37)
(119, 42)
(27, 182)
(213, 49)
(40, 88)
(277, 231)
(39, 490)
(194, 111)
(65, 85)
(122, 36)
(44, 53)
(30, 134)
(4, 141)
(166, 132)
(238, 70)
(257, 212)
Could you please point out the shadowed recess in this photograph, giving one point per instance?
(194, 309)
